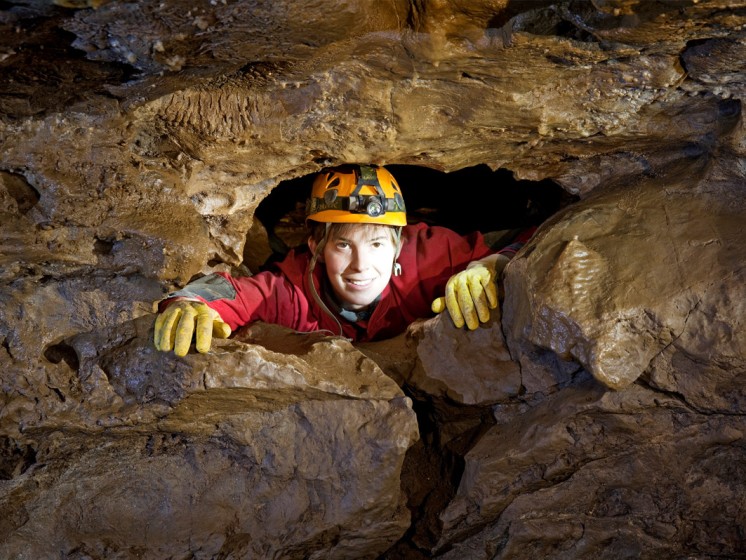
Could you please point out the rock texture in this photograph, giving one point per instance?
(245, 452)
(589, 473)
(601, 416)
(588, 295)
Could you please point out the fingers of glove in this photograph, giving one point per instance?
(220, 329)
(467, 303)
(457, 306)
(479, 299)
(490, 289)
(165, 328)
(205, 318)
(484, 294)
(185, 331)
(438, 305)
(158, 330)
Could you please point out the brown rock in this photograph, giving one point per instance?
(438, 360)
(592, 473)
(137, 141)
(244, 451)
(616, 279)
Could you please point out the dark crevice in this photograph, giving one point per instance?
(15, 458)
(694, 48)
(470, 199)
(25, 195)
(433, 467)
(57, 392)
(729, 109)
(102, 247)
(62, 352)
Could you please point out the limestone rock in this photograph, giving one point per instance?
(592, 473)
(436, 359)
(244, 451)
(616, 280)
(707, 362)
(137, 140)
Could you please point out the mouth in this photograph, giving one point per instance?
(358, 283)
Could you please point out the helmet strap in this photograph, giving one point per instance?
(368, 177)
(312, 286)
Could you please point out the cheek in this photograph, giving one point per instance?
(334, 262)
(386, 260)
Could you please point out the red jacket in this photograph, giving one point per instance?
(429, 257)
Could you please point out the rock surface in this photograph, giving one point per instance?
(244, 451)
(589, 473)
(601, 416)
(584, 292)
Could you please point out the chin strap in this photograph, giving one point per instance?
(312, 286)
(396, 271)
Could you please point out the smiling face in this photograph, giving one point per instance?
(359, 260)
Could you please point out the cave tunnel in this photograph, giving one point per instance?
(471, 199)
(599, 415)
(467, 200)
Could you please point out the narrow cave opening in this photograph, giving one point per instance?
(470, 199)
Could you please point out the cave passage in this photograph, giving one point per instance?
(470, 199)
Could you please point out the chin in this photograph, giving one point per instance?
(358, 300)
(358, 303)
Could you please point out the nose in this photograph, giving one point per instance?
(360, 260)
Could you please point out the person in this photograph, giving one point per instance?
(365, 276)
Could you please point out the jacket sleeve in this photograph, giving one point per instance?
(266, 296)
(518, 242)
(429, 257)
(436, 254)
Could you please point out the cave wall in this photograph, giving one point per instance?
(136, 142)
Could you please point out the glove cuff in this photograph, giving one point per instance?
(494, 263)
(161, 304)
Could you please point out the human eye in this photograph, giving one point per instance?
(379, 243)
(342, 245)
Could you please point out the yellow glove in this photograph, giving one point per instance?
(470, 295)
(175, 327)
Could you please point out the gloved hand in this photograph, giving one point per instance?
(471, 294)
(175, 327)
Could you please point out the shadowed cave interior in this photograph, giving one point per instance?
(470, 199)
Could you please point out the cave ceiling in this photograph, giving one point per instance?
(274, 89)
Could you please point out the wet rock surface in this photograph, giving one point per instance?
(243, 451)
(601, 415)
(591, 473)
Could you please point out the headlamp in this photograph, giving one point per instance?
(374, 208)
(366, 204)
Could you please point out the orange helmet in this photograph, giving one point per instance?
(356, 194)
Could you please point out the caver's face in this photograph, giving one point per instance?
(359, 263)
